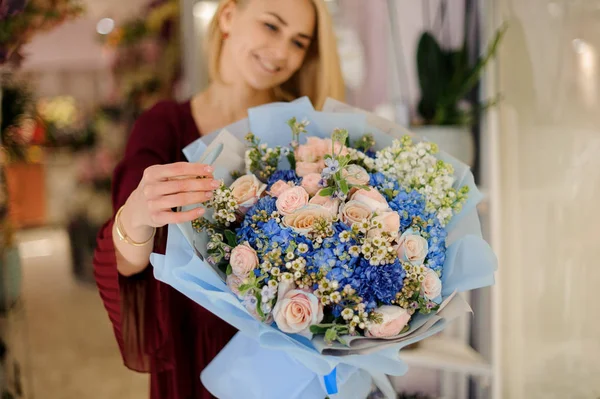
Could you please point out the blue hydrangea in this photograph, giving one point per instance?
(436, 255)
(409, 205)
(376, 284)
(384, 184)
(285, 175)
(329, 257)
(265, 234)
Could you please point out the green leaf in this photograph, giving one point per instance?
(229, 270)
(475, 73)
(230, 238)
(326, 192)
(292, 160)
(245, 287)
(344, 186)
(331, 334)
(258, 303)
(318, 329)
(433, 76)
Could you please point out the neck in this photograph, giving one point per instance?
(233, 100)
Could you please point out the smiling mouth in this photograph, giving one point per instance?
(266, 65)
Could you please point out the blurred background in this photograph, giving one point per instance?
(75, 75)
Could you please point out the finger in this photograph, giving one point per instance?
(181, 199)
(169, 217)
(180, 186)
(178, 170)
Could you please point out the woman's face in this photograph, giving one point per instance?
(267, 40)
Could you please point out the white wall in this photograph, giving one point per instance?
(550, 190)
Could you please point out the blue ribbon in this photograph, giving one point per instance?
(330, 382)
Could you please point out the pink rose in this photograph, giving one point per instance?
(310, 182)
(356, 175)
(312, 151)
(327, 202)
(234, 282)
(432, 285)
(246, 191)
(412, 248)
(302, 220)
(297, 311)
(390, 223)
(372, 198)
(395, 319)
(291, 199)
(279, 187)
(355, 212)
(306, 168)
(285, 286)
(243, 260)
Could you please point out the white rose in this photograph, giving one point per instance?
(297, 311)
(246, 191)
(412, 248)
(432, 285)
(372, 198)
(243, 260)
(394, 320)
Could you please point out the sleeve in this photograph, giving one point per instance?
(133, 302)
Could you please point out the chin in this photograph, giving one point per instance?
(260, 83)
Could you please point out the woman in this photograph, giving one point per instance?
(260, 51)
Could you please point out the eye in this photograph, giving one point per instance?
(271, 27)
(299, 44)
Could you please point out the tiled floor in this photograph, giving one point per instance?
(63, 333)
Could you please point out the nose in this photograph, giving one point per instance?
(279, 49)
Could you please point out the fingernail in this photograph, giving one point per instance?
(215, 183)
(200, 211)
(210, 169)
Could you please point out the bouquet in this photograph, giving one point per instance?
(330, 245)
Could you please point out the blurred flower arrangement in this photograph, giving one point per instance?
(95, 161)
(62, 123)
(90, 204)
(19, 130)
(20, 20)
(147, 63)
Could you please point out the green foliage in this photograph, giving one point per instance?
(447, 76)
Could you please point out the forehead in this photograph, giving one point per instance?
(298, 14)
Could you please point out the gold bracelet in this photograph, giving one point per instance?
(124, 237)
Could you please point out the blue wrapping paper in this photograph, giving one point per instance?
(263, 362)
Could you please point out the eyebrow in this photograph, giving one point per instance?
(284, 23)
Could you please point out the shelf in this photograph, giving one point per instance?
(448, 354)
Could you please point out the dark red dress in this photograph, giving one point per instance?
(158, 330)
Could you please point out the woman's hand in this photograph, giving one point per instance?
(164, 187)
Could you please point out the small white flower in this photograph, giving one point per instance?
(347, 314)
(335, 297)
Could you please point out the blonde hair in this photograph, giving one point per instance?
(320, 75)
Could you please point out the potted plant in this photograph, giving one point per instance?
(446, 77)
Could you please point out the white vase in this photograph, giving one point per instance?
(457, 141)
